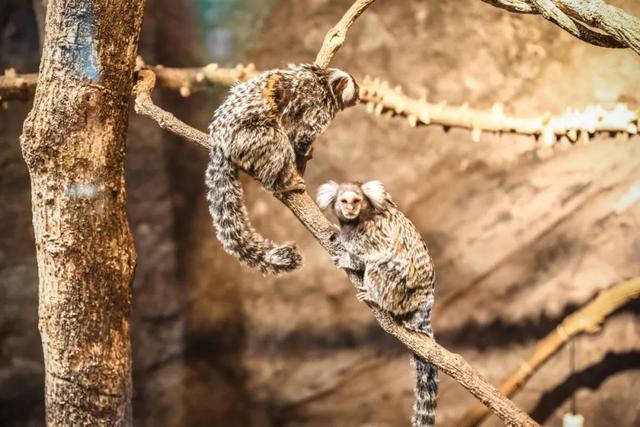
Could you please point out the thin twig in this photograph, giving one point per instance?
(585, 320)
(335, 37)
(303, 207)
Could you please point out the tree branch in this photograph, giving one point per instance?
(585, 320)
(17, 87)
(621, 29)
(551, 12)
(622, 26)
(326, 234)
(335, 37)
(380, 98)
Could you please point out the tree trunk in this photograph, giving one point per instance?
(73, 143)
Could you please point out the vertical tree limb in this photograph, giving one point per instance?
(73, 143)
(585, 320)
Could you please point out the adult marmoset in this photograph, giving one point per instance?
(398, 275)
(265, 127)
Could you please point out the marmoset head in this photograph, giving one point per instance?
(352, 201)
(344, 88)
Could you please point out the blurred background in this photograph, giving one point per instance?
(521, 235)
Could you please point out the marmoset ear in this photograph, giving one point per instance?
(326, 194)
(375, 192)
(344, 88)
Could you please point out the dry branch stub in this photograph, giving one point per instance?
(14, 86)
(381, 98)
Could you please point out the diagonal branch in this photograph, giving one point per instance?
(585, 320)
(303, 207)
(625, 28)
(335, 37)
(619, 28)
(550, 11)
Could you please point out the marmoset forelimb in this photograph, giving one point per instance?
(265, 127)
(398, 274)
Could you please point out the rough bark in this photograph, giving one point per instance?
(73, 143)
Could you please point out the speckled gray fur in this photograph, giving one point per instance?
(266, 127)
(399, 277)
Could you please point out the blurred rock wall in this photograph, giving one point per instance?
(521, 236)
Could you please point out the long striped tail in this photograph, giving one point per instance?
(232, 224)
(426, 390)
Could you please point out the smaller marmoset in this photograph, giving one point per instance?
(398, 274)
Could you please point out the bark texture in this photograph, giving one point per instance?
(73, 143)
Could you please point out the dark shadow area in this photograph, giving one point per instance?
(502, 334)
(471, 335)
(591, 377)
(314, 340)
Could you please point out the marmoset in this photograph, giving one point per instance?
(398, 275)
(265, 127)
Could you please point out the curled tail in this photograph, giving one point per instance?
(426, 390)
(232, 224)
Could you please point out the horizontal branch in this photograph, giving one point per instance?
(17, 87)
(585, 320)
(304, 208)
(381, 98)
(191, 80)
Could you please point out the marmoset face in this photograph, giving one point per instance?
(349, 203)
(352, 201)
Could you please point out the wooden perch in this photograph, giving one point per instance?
(305, 209)
(585, 320)
(620, 29)
(381, 98)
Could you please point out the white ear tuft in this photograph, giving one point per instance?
(374, 190)
(343, 86)
(326, 194)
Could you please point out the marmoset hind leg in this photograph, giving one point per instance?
(268, 156)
